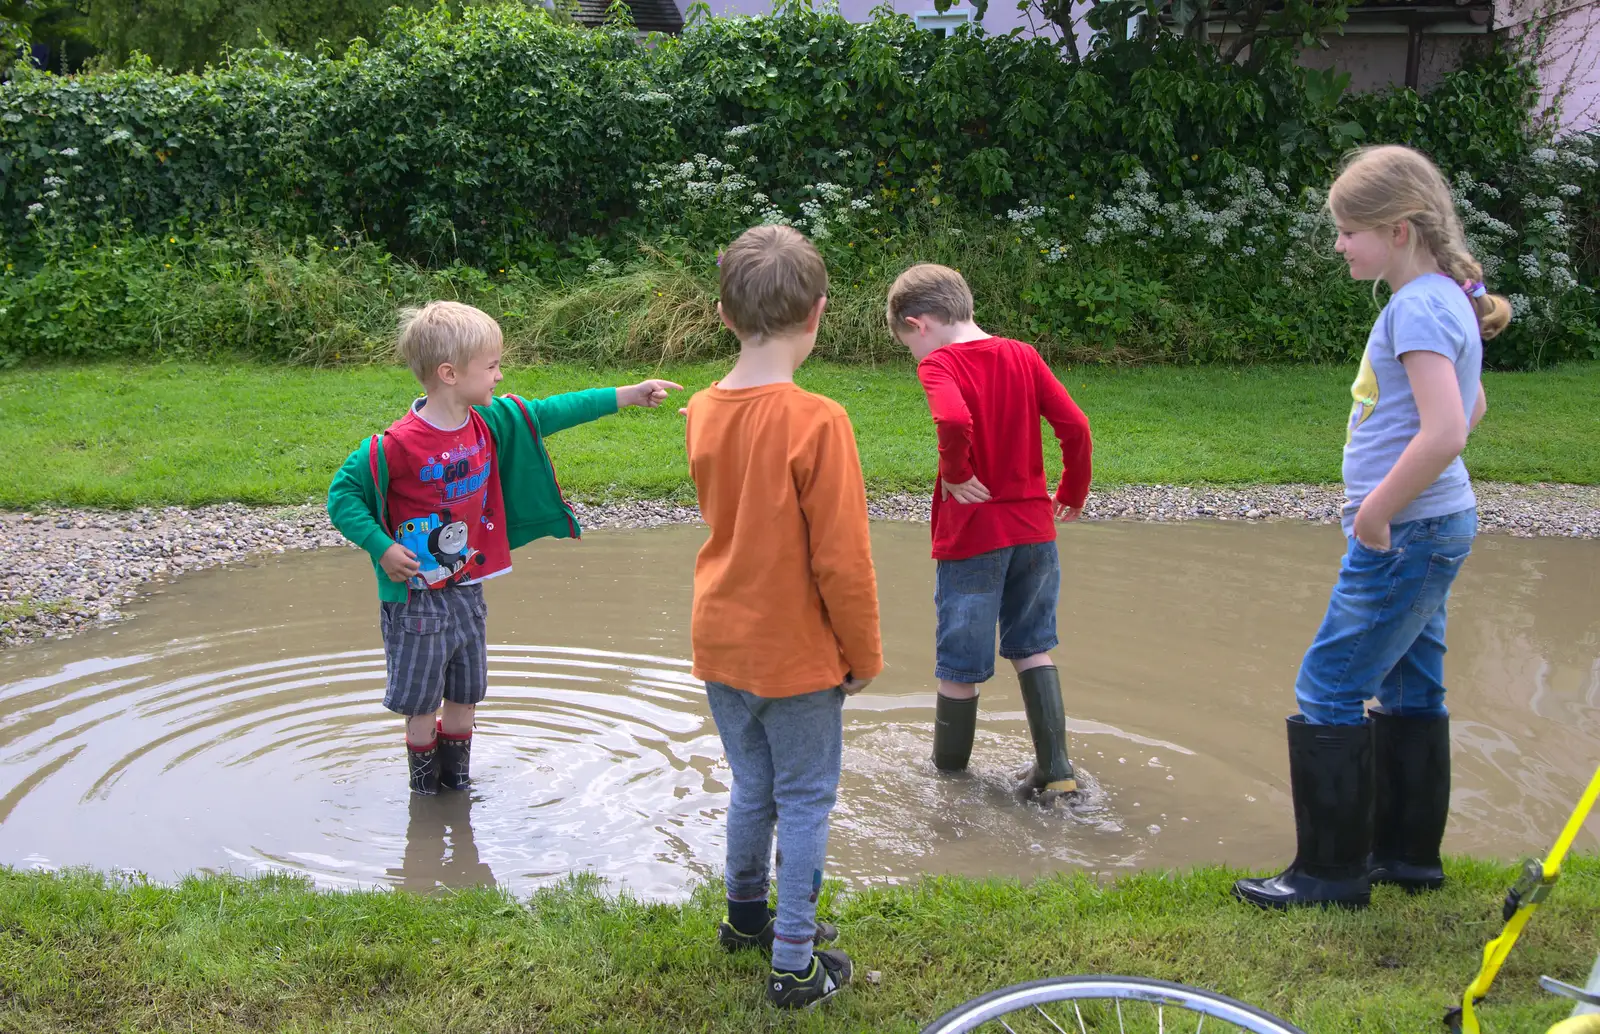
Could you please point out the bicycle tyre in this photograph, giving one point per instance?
(1009, 1000)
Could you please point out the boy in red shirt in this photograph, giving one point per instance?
(439, 501)
(994, 534)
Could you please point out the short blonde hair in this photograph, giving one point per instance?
(771, 279)
(445, 332)
(1389, 185)
(928, 289)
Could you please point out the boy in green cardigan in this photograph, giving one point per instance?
(439, 501)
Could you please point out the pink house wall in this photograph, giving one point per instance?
(1566, 34)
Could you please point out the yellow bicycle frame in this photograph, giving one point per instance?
(1521, 902)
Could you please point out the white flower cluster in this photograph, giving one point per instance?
(1255, 217)
(701, 179)
(1542, 251)
(715, 189)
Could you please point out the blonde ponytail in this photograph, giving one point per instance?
(1388, 185)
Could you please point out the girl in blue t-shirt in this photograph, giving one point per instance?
(1372, 788)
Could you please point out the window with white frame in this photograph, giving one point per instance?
(943, 23)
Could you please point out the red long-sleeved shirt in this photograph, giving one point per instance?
(987, 398)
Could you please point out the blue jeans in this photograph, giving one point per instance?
(785, 755)
(1016, 588)
(1383, 635)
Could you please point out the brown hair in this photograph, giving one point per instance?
(1388, 185)
(771, 279)
(444, 332)
(927, 289)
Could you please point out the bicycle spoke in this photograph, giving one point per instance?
(1081, 1027)
(1007, 1026)
(1121, 1027)
(1048, 1020)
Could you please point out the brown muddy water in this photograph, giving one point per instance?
(236, 722)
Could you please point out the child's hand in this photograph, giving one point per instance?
(853, 685)
(648, 394)
(972, 491)
(1067, 514)
(399, 563)
(1370, 532)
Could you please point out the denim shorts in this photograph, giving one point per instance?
(1383, 634)
(1014, 588)
(435, 648)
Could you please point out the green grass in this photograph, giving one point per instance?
(133, 435)
(27, 607)
(80, 954)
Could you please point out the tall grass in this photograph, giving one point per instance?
(243, 293)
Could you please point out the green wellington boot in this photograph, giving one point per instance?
(954, 724)
(1047, 723)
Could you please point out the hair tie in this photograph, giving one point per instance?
(1475, 289)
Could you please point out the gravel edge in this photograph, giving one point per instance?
(67, 570)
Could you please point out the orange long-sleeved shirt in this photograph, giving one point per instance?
(785, 598)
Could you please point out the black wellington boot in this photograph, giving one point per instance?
(424, 764)
(1330, 775)
(1411, 799)
(955, 722)
(1047, 724)
(455, 761)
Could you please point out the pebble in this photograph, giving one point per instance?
(79, 566)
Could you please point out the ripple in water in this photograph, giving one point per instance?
(256, 740)
(584, 760)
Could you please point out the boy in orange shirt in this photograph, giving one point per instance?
(785, 622)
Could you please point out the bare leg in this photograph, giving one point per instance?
(458, 718)
(420, 729)
(957, 690)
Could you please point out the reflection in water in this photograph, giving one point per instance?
(236, 723)
(439, 847)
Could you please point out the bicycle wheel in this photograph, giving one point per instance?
(1100, 1004)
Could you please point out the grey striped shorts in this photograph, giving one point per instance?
(436, 648)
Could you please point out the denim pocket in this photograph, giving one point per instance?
(1441, 574)
(1361, 549)
(977, 575)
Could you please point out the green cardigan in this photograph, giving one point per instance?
(533, 502)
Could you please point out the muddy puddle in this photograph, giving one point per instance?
(235, 723)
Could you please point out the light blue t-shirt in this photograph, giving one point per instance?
(1433, 314)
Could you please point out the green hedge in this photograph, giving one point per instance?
(488, 138)
(578, 160)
